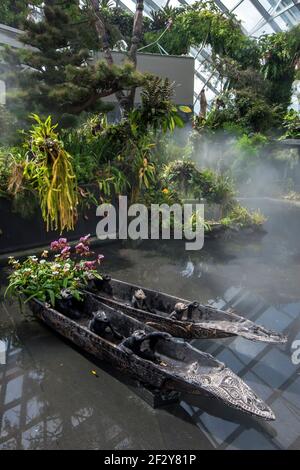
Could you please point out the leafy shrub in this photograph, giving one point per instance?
(184, 176)
(241, 217)
(291, 122)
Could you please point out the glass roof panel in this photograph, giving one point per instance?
(230, 4)
(258, 17)
(248, 14)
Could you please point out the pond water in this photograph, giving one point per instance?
(49, 397)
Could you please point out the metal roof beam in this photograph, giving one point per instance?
(266, 15)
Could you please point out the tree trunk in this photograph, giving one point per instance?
(203, 104)
(137, 33)
(101, 32)
(126, 102)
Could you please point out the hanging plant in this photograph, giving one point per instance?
(49, 170)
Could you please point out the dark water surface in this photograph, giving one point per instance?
(49, 397)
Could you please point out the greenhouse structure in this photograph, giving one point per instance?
(149, 228)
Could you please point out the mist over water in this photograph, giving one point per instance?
(268, 170)
(50, 383)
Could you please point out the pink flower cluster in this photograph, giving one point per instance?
(88, 265)
(59, 245)
(81, 249)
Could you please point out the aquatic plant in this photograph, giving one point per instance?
(45, 279)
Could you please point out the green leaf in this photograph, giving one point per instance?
(185, 109)
(52, 297)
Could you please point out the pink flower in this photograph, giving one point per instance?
(59, 244)
(89, 265)
(85, 240)
(82, 249)
(54, 246)
(65, 252)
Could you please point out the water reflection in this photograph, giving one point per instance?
(50, 399)
(3, 347)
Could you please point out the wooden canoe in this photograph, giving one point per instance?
(205, 322)
(177, 365)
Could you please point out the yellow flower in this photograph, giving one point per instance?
(165, 191)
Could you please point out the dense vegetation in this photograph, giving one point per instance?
(86, 157)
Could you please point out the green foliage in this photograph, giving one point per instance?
(197, 221)
(45, 280)
(157, 194)
(85, 86)
(280, 54)
(59, 77)
(5, 157)
(112, 181)
(44, 168)
(157, 109)
(184, 177)
(8, 124)
(259, 72)
(239, 216)
(204, 23)
(251, 144)
(49, 170)
(161, 17)
(291, 122)
(14, 12)
(119, 23)
(244, 109)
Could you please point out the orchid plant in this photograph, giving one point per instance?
(45, 278)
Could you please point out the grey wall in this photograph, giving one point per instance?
(9, 36)
(179, 69)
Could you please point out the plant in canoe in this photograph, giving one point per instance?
(47, 169)
(47, 279)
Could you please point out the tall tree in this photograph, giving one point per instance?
(15, 12)
(59, 77)
(126, 100)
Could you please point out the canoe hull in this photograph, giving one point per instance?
(213, 323)
(202, 375)
(94, 345)
(178, 329)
